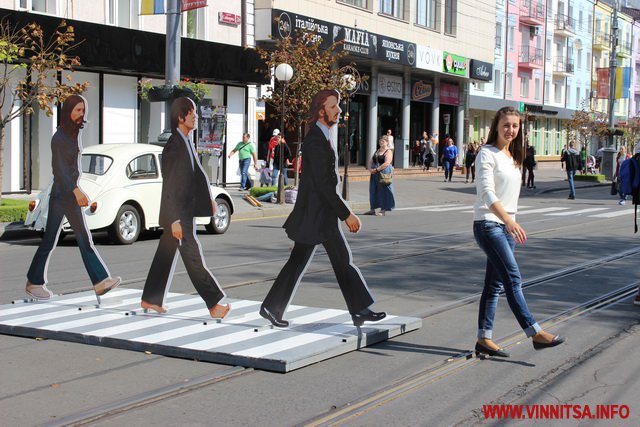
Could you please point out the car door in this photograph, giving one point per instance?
(143, 174)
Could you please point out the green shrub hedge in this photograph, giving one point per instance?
(590, 177)
(261, 191)
(13, 210)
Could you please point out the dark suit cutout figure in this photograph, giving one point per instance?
(315, 219)
(185, 196)
(67, 200)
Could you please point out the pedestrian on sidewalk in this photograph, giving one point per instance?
(423, 148)
(470, 161)
(416, 154)
(496, 231)
(430, 153)
(246, 151)
(449, 159)
(527, 166)
(620, 158)
(380, 194)
(315, 220)
(282, 149)
(571, 160)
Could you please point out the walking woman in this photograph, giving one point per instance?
(496, 232)
(380, 194)
(449, 159)
(470, 161)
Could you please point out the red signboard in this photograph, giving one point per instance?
(602, 89)
(192, 4)
(229, 18)
(449, 94)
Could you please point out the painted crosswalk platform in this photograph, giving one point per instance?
(242, 338)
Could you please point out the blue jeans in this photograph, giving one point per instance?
(276, 173)
(502, 273)
(449, 165)
(572, 188)
(244, 172)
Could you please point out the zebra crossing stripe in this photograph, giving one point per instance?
(613, 214)
(578, 212)
(541, 210)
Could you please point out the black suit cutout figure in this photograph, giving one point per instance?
(315, 219)
(185, 195)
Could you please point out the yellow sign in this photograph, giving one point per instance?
(261, 115)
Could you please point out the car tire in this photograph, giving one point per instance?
(220, 221)
(126, 227)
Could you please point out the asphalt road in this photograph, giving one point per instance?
(419, 260)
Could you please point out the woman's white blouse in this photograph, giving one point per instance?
(497, 179)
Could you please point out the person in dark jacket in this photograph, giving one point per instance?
(67, 200)
(571, 160)
(470, 161)
(528, 164)
(315, 220)
(185, 196)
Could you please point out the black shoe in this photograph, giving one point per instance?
(367, 315)
(486, 350)
(272, 318)
(571, 197)
(557, 340)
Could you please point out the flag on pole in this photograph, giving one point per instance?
(602, 88)
(192, 4)
(623, 82)
(152, 7)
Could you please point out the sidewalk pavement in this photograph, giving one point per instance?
(409, 190)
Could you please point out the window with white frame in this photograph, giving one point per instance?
(49, 7)
(578, 59)
(549, 41)
(498, 35)
(450, 17)
(546, 90)
(497, 82)
(511, 37)
(358, 3)
(428, 14)
(508, 84)
(122, 13)
(589, 24)
(193, 23)
(557, 91)
(536, 89)
(577, 96)
(393, 8)
(524, 85)
(580, 25)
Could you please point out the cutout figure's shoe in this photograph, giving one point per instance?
(480, 349)
(39, 292)
(557, 340)
(157, 308)
(219, 311)
(106, 285)
(279, 323)
(367, 315)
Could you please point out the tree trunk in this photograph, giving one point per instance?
(297, 159)
(2, 128)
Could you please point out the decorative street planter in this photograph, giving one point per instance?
(168, 93)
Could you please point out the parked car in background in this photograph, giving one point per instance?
(123, 183)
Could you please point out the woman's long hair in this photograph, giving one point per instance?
(65, 114)
(516, 148)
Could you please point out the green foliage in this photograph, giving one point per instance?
(199, 89)
(590, 177)
(261, 191)
(13, 210)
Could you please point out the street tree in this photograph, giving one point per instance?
(585, 125)
(314, 68)
(30, 63)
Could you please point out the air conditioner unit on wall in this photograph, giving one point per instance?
(536, 31)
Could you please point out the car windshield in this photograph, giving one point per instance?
(96, 164)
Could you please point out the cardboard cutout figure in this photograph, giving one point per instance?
(315, 219)
(185, 195)
(67, 199)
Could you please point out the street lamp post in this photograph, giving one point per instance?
(350, 83)
(283, 73)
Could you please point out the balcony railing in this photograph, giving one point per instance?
(532, 11)
(531, 56)
(563, 66)
(602, 39)
(624, 48)
(565, 23)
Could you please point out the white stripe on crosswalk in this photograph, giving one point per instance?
(541, 210)
(578, 212)
(613, 214)
(413, 208)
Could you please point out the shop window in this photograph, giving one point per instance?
(143, 167)
(428, 14)
(450, 17)
(49, 7)
(393, 8)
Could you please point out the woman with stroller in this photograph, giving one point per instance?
(380, 194)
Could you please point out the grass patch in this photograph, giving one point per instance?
(590, 177)
(13, 210)
(261, 191)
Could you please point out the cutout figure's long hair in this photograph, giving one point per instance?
(68, 105)
(317, 104)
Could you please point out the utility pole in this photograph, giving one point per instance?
(172, 59)
(613, 64)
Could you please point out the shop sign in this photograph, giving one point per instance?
(422, 91)
(454, 64)
(389, 86)
(480, 70)
(229, 18)
(192, 4)
(285, 25)
(365, 85)
(356, 41)
(428, 58)
(396, 51)
(449, 94)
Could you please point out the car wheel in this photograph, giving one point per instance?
(221, 220)
(126, 227)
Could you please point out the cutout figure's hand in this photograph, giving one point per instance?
(176, 231)
(353, 222)
(81, 198)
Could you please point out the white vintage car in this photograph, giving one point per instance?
(123, 183)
